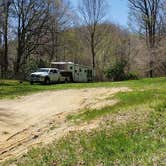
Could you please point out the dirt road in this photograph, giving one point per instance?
(41, 117)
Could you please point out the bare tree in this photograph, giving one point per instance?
(147, 14)
(92, 13)
(31, 16)
(1, 33)
(163, 17)
(4, 14)
(59, 20)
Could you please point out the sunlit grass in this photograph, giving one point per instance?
(139, 140)
(11, 88)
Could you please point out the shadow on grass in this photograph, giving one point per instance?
(5, 84)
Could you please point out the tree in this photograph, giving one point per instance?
(31, 17)
(92, 13)
(1, 52)
(4, 35)
(147, 14)
(163, 17)
(59, 20)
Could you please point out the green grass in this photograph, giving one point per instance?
(123, 144)
(152, 92)
(12, 89)
(140, 140)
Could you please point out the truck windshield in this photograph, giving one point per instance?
(43, 70)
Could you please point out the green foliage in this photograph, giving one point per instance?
(117, 72)
(28, 68)
(131, 76)
(31, 66)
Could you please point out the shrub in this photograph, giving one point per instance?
(117, 72)
(31, 66)
(131, 76)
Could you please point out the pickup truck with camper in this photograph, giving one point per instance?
(62, 72)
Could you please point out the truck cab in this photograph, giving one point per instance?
(46, 76)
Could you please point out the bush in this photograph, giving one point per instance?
(31, 66)
(131, 76)
(117, 72)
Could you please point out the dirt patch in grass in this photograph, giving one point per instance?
(41, 118)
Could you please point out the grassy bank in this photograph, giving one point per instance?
(132, 132)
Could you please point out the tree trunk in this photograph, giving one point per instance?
(18, 60)
(151, 62)
(5, 36)
(6, 44)
(2, 63)
(19, 54)
(93, 55)
(151, 70)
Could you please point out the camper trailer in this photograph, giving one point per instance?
(74, 72)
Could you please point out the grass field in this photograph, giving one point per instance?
(132, 132)
(12, 88)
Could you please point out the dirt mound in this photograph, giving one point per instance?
(41, 117)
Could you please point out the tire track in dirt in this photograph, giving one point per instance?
(40, 118)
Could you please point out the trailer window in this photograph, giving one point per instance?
(58, 66)
(89, 73)
(71, 68)
(80, 70)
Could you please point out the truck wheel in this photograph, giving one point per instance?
(70, 79)
(66, 80)
(47, 81)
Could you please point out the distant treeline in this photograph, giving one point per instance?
(34, 33)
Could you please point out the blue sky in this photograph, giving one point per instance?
(117, 11)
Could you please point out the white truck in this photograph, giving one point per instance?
(46, 76)
(62, 72)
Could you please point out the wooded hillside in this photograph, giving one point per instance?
(34, 33)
